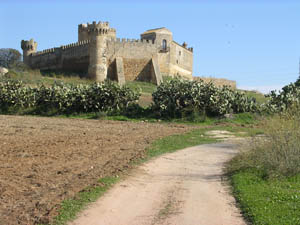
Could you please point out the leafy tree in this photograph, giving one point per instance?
(9, 57)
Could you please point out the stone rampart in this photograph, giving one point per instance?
(62, 57)
(78, 49)
(46, 59)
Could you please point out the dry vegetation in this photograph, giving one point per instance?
(278, 154)
(266, 177)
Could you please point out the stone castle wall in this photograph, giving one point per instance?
(136, 69)
(131, 48)
(136, 56)
(181, 61)
(74, 56)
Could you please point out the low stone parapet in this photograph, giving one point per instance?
(219, 82)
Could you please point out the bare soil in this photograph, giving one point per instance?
(181, 188)
(46, 160)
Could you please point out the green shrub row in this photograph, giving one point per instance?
(282, 100)
(172, 99)
(177, 98)
(97, 97)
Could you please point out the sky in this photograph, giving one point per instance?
(254, 42)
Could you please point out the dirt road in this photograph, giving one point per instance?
(182, 188)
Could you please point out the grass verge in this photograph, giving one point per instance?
(176, 142)
(267, 202)
(266, 176)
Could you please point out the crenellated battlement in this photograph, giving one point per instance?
(29, 45)
(191, 49)
(63, 48)
(82, 26)
(100, 28)
(45, 51)
(112, 31)
(76, 44)
(127, 40)
(98, 25)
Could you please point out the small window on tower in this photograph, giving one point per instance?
(179, 52)
(164, 44)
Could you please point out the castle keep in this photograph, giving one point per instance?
(100, 55)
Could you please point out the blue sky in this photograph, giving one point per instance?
(256, 43)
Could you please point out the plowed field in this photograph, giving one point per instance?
(46, 160)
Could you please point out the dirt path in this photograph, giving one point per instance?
(182, 188)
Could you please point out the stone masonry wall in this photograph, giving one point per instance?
(136, 56)
(136, 69)
(164, 63)
(181, 61)
(74, 57)
(130, 48)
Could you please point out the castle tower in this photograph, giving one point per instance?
(28, 48)
(161, 36)
(98, 34)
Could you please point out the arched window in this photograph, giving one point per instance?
(164, 44)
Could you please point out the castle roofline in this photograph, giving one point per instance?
(158, 30)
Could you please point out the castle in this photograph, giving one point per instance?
(100, 55)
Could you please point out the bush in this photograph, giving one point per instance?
(279, 102)
(13, 94)
(177, 98)
(279, 152)
(97, 97)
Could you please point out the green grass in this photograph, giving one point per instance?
(260, 98)
(143, 87)
(268, 202)
(69, 208)
(244, 118)
(34, 78)
(266, 176)
(176, 142)
(243, 122)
